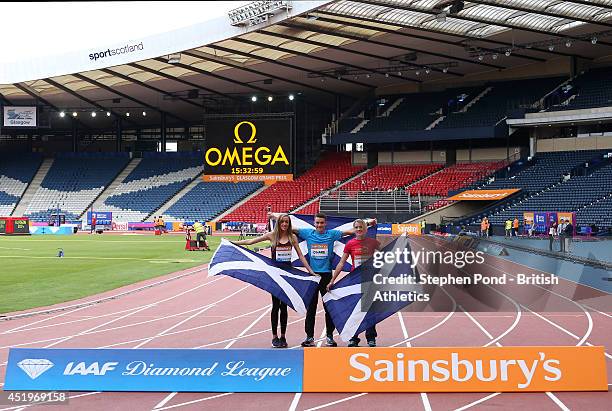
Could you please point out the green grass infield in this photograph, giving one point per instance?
(31, 274)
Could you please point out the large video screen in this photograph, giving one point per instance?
(248, 150)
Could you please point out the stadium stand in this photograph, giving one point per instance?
(570, 195)
(454, 177)
(417, 111)
(497, 103)
(209, 199)
(286, 196)
(156, 179)
(591, 89)
(73, 183)
(546, 170)
(311, 208)
(386, 177)
(597, 213)
(15, 175)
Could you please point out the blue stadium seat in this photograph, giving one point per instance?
(207, 200)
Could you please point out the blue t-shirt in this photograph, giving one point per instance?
(320, 248)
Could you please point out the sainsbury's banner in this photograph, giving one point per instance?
(409, 229)
(474, 195)
(437, 369)
(460, 369)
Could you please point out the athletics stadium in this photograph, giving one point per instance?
(469, 143)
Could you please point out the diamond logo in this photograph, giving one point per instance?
(34, 367)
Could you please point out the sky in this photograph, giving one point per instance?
(54, 28)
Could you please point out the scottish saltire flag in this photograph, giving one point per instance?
(292, 286)
(350, 302)
(299, 221)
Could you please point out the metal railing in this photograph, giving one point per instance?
(372, 201)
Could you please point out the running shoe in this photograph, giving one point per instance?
(372, 342)
(308, 342)
(276, 342)
(354, 342)
(329, 342)
(283, 343)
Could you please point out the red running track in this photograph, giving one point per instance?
(190, 310)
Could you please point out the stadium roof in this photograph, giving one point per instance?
(344, 47)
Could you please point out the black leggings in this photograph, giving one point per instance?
(278, 305)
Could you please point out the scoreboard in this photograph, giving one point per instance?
(249, 150)
(14, 225)
(21, 226)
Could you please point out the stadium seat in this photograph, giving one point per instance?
(15, 175)
(287, 196)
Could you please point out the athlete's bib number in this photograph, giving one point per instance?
(283, 254)
(319, 251)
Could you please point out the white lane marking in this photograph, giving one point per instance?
(296, 400)
(470, 405)
(329, 404)
(249, 327)
(557, 401)
(194, 401)
(112, 297)
(139, 309)
(165, 400)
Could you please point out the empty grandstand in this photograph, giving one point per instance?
(330, 172)
(207, 200)
(153, 182)
(73, 182)
(15, 175)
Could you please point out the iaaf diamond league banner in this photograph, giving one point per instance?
(182, 370)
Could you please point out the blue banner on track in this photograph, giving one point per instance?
(181, 370)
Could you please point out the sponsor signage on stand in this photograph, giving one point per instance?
(484, 195)
(19, 116)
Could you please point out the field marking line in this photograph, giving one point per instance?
(295, 401)
(329, 404)
(243, 332)
(557, 401)
(470, 405)
(147, 306)
(112, 297)
(193, 402)
(165, 400)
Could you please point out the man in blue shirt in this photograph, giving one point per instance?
(320, 255)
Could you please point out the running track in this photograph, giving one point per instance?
(190, 310)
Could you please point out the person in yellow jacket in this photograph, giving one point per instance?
(508, 227)
(423, 225)
(200, 231)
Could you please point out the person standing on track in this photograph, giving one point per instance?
(552, 232)
(508, 227)
(561, 232)
(515, 227)
(320, 255)
(283, 241)
(361, 249)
